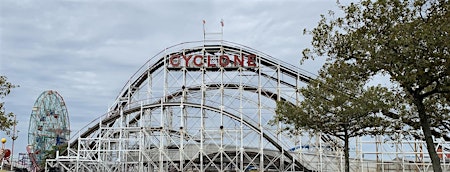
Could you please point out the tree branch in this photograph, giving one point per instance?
(414, 124)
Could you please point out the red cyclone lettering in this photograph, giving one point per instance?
(222, 59)
(251, 60)
(209, 62)
(195, 60)
(238, 61)
(186, 59)
(171, 60)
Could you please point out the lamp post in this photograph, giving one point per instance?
(13, 138)
(3, 151)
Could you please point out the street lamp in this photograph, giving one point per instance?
(3, 143)
(13, 138)
(2, 152)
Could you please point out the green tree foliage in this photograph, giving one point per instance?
(405, 40)
(340, 106)
(6, 119)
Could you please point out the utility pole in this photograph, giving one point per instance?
(13, 138)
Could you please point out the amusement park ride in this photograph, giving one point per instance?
(207, 106)
(49, 127)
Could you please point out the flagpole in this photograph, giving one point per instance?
(204, 31)
(221, 33)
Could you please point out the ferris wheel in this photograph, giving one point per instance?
(49, 124)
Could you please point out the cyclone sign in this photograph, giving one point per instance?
(212, 61)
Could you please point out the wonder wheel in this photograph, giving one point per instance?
(49, 124)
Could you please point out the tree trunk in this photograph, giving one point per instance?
(346, 151)
(425, 124)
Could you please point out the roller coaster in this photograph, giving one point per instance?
(207, 106)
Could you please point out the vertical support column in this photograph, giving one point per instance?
(221, 128)
(141, 143)
(397, 158)
(298, 137)
(319, 143)
(181, 150)
(162, 115)
(184, 99)
(183, 118)
(161, 137)
(149, 94)
(261, 129)
(100, 141)
(149, 84)
(359, 154)
(377, 144)
(77, 162)
(120, 151)
(278, 96)
(279, 99)
(202, 119)
(129, 93)
(241, 126)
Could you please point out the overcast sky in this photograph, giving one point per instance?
(87, 50)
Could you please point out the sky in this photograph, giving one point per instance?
(87, 50)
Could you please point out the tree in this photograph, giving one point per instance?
(332, 105)
(405, 40)
(6, 119)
